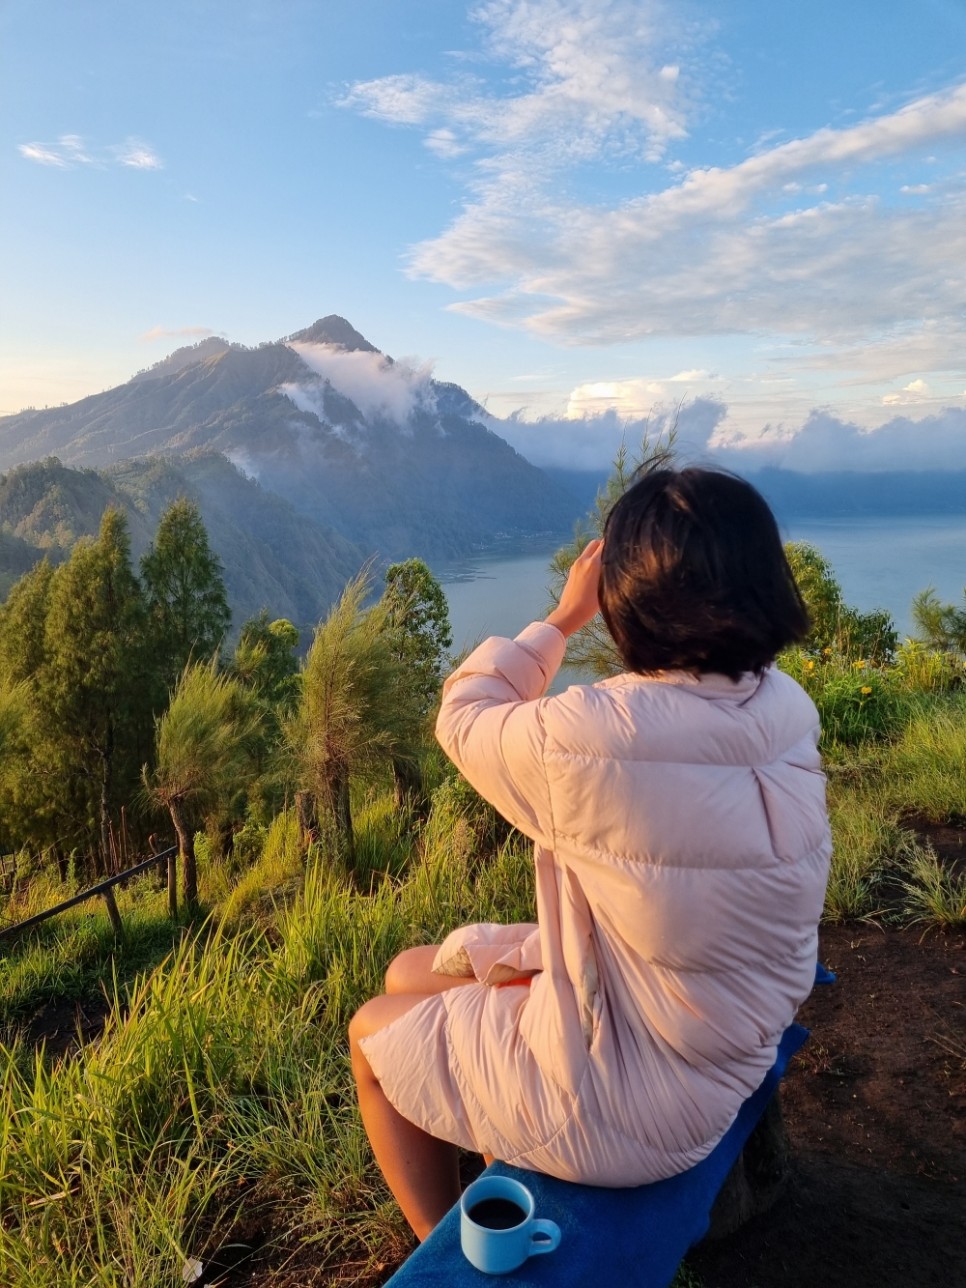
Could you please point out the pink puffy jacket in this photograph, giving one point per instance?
(682, 849)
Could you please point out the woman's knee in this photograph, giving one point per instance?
(411, 970)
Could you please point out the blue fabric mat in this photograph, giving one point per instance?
(634, 1237)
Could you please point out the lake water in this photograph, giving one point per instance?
(879, 563)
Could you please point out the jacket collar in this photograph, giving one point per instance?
(710, 684)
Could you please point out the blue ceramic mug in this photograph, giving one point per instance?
(498, 1230)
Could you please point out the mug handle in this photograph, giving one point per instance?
(544, 1236)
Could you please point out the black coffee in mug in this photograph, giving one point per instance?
(496, 1214)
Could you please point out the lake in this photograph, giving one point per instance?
(879, 563)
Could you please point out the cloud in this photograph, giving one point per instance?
(67, 152)
(381, 389)
(591, 441)
(720, 252)
(70, 151)
(827, 239)
(165, 333)
(914, 392)
(136, 155)
(587, 78)
(824, 442)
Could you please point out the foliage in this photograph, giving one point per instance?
(417, 618)
(920, 669)
(359, 711)
(923, 771)
(187, 605)
(934, 894)
(834, 625)
(857, 701)
(89, 692)
(941, 627)
(265, 660)
(201, 754)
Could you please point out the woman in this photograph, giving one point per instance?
(681, 848)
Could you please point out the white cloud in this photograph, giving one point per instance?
(589, 437)
(136, 155)
(712, 254)
(67, 152)
(70, 151)
(825, 442)
(588, 79)
(378, 387)
(914, 392)
(591, 441)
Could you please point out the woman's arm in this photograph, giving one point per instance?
(490, 724)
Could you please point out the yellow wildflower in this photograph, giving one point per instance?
(866, 688)
(809, 665)
(860, 664)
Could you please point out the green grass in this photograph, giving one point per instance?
(935, 896)
(221, 1081)
(69, 956)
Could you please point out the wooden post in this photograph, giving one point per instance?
(112, 912)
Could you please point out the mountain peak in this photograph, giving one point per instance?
(334, 330)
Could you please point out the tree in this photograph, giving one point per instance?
(188, 612)
(266, 664)
(417, 618)
(23, 623)
(357, 712)
(265, 660)
(201, 755)
(834, 625)
(939, 626)
(90, 687)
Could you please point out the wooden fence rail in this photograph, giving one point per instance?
(105, 889)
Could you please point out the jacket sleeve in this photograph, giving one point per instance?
(491, 725)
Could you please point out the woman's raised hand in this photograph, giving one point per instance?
(578, 601)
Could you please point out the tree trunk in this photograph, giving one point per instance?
(307, 815)
(758, 1176)
(342, 814)
(186, 847)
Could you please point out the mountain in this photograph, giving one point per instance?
(273, 557)
(396, 463)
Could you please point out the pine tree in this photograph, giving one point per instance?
(418, 623)
(357, 712)
(202, 755)
(90, 685)
(188, 612)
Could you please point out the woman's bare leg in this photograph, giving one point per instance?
(421, 1171)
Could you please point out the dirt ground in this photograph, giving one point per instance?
(875, 1108)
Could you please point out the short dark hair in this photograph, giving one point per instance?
(694, 576)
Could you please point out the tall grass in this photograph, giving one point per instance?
(924, 772)
(221, 1082)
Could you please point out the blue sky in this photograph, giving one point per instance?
(580, 211)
